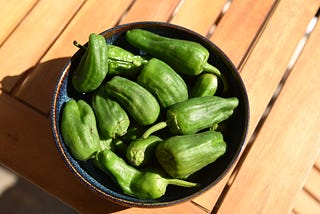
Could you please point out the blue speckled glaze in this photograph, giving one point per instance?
(234, 135)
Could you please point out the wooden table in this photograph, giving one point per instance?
(260, 37)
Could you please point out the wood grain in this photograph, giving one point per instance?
(37, 159)
(13, 11)
(38, 87)
(151, 10)
(306, 204)
(17, 59)
(199, 15)
(279, 171)
(286, 34)
(312, 184)
(240, 25)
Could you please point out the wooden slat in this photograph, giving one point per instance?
(36, 158)
(151, 10)
(273, 171)
(199, 15)
(306, 204)
(239, 26)
(12, 12)
(317, 163)
(17, 59)
(312, 184)
(233, 23)
(40, 83)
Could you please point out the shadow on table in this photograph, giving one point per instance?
(24, 197)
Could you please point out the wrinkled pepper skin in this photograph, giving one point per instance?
(195, 114)
(140, 104)
(92, 68)
(141, 151)
(122, 62)
(186, 57)
(205, 85)
(199, 113)
(112, 119)
(163, 82)
(79, 130)
(143, 184)
(181, 156)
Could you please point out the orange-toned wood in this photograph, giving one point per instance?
(12, 13)
(25, 46)
(312, 184)
(199, 15)
(269, 58)
(151, 10)
(239, 26)
(34, 156)
(317, 163)
(260, 67)
(281, 157)
(305, 203)
(94, 16)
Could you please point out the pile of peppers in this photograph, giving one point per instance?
(148, 124)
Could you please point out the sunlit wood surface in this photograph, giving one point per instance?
(275, 45)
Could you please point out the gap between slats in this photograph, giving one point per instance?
(293, 60)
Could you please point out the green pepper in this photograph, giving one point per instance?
(79, 130)
(138, 101)
(196, 114)
(141, 151)
(92, 68)
(113, 121)
(182, 155)
(186, 57)
(143, 184)
(123, 62)
(163, 82)
(205, 85)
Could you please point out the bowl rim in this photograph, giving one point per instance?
(128, 203)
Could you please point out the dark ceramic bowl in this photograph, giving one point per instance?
(235, 128)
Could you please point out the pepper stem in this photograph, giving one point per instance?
(182, 183)
(78, 45)
(153, 129)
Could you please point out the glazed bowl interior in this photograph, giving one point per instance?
(234, 131)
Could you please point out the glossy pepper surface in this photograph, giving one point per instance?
(112, 119)
(123, 62)
(206, 85)
(163, 82)
(186, 57)
(138, 101)
(141, 151)
(79, 130)
(182, 155)
(92, 68)
(144, 184)
(196, 114)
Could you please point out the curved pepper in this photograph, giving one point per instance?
(92, 68)
(196, 114)
(138, 101)
(186, 57)
(144, 184)
(163, 82)
(79, 130)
